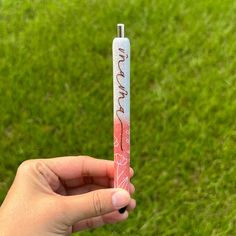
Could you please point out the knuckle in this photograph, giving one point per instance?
(25, 166)
(29, 166)
(97, 203)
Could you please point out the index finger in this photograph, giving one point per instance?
(71, 167)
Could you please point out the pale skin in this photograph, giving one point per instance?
(59, 196)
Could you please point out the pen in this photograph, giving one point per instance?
(121, 109)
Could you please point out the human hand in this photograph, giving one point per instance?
(59, 196)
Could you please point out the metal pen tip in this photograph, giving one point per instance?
(120, 30)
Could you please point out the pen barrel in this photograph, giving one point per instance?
(121, 99)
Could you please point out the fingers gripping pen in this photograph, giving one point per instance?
(121, 99)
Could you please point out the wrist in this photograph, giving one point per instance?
(4, 228)
(7, 227)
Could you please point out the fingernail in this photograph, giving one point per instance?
(120, 199)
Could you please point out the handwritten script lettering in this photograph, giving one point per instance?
(120, 76)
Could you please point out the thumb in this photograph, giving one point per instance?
(95, 203)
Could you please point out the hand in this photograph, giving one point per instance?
(59, 196)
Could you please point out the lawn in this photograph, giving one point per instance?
(56, 100)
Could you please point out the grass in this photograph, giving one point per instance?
(56, 99)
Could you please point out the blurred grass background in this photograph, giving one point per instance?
(56, 99)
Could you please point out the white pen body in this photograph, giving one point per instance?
(121, 100)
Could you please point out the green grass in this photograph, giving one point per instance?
(56, 99)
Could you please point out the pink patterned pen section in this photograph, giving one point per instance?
(121, 97)
(121, 155)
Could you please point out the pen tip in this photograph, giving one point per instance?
(122, 210)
